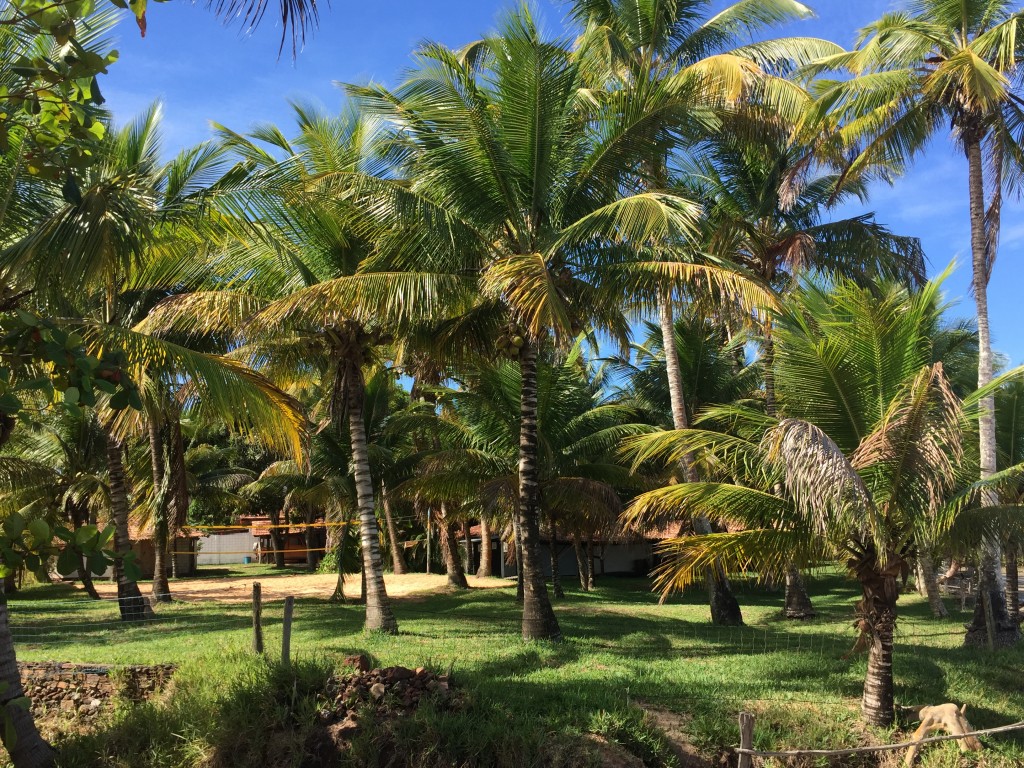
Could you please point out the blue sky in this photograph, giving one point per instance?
(203, 71)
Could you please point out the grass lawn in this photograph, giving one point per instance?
(523, 704)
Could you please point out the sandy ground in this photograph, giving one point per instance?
(238, 589)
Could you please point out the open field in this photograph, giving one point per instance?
(524, 703)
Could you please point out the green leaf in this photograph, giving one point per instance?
(40, 531)
(67, 562)
(72, 395)
(14, 525)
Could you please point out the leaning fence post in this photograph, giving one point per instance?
(286, 634)
(257, 622)
(746, 739)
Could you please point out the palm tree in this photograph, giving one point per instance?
(917, 71)
(516, 174)
(870, 450)
(135, 232)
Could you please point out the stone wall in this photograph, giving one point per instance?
(87, 690)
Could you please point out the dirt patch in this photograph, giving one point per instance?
(238, 589)
(673, 726)
(612, 755)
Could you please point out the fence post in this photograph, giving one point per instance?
(746, 739)
(286, 633)
(257, 617)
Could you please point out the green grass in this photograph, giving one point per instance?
(524, 703)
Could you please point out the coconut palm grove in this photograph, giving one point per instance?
(553, 402)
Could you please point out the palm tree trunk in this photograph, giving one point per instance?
(1006, 632)
(539, 622)
(486, 569)
(79, 515)
(798, 602)
(517, 541)
(339, 548)
(930, 579)
(725, 610)
(467, 563)
(178, 510)
(398, 566)
(581, 563)
(277, 541)
(130, 600)
(1012, 584)
(379, 616)
(556, 577)
(449, 537)
(590, 561)
(161, 493)
(25, 746)
(877, 703)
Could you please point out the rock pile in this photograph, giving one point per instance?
(85, 691)
(387, 693)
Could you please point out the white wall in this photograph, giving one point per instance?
(234, 547)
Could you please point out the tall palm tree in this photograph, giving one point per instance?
(870, 447)
(938, 64)
(135, 232)
(516, 172)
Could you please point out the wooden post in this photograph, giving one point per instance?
(257, 622)
(286, 630)
(746, 739)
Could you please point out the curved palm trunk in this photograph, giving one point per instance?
(725, 610)
(486, 569)
(449, 536)
(161, 493)
(581, 563)
(539, 622)
(877, 703)
(398, 566)
(1004, 631)
(25, 746)
(130, 600)
(798, 602)
(379, 616)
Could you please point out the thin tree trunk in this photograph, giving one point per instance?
(1006, 632)
(277, 541)
(79, 515)
(581, 563)
(467, 562)
(725, 610)
(590, 561)
(539, 622)
(931, 584)
(486, 569)
(877, 703)
(130, 600)
(339, 548)
(398, 566)
(178, 510)
(1012, 583)
(449, 550)
(25, 746)
(517, 541)
(161, 494)
(379, 616)
(798, 602)
(556, 577)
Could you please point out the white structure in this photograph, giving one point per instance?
(227, 548)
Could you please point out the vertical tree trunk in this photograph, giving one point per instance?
(79, 515)
(130, 600)
(539, 622)
(581, 563)
(517, 541)
(339, 548)
(449, 536)
(308, 538)
(877, 703)
(467, 562)
(556, 577)
(277, 541)
(178, 509)
(990, 580)
(486, 569)
(725, 610)
(1012, 583)
(161, 498)
(798, 602)
(379, 616)
(931, 584)
(25, 746)
(398, 566)
(590, 561)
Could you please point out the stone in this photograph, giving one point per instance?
(377, 690)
